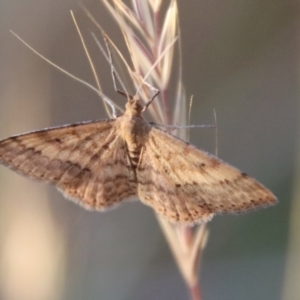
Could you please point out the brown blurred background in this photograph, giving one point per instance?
(239, 57)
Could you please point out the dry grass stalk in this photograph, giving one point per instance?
(150, 39)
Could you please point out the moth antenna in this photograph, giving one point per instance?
(156, 63)
(113, 72)
(149, 72)
(108, 57)
(113, 113)
(115, 48)
(150, 101)
(90, 86)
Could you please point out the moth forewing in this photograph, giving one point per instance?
(188, 185)
(103, 163)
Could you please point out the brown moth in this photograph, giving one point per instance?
(103, 163)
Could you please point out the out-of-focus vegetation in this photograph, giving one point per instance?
(239, 57)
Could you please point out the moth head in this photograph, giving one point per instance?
(134, 105)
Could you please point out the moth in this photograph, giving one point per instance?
(100, 164)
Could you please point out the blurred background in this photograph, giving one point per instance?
(240, 58)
